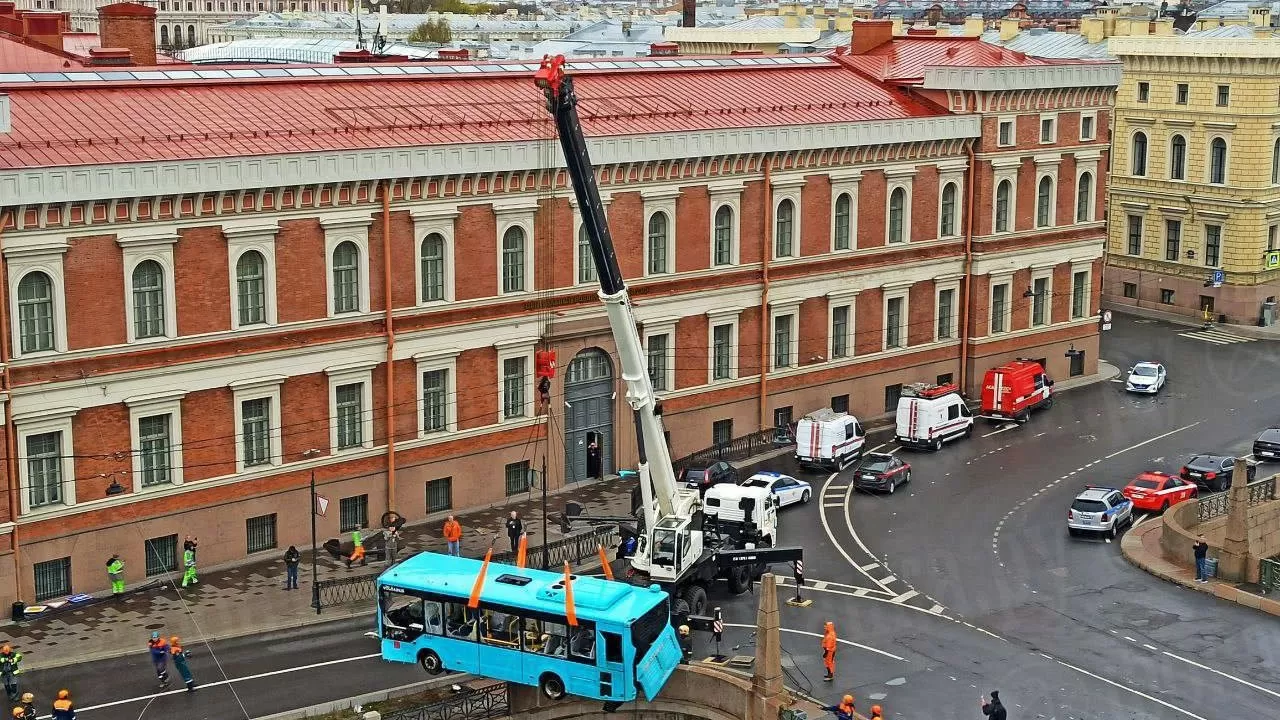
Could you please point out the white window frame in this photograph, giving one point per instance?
(952, 174)
(838, 299)
(1086, 267)
(261, 239)
(893, 292)
(144, 406)
(659, 200)
(1005, 169)
(783, 308)
(254, 389)
(656, 328)
(1208, 158)
(1040, 273)
(1013, 133)
(845, 183)
(38, 422)
(939, 285)
(787, 187)
(507, 349)
(1087, 163)
(446, 360)
(726, 196)
(899, 177)
(605, 199)
(993, 282)
(439, 221)
(337, 230)
(48, 259)
(1094, 135)
(351, 374)
(1053, 135)
(717, 318)
(138, 249)
(519, 214)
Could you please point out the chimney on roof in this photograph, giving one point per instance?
(660, 49)
(1162, 27)
(1260, 16)
(934, 14)
(689, 14)
(1009, 28)
(896, 23)
(109, 57)
(45, 28)
(130, 26)
(869, 34)
(1093, 28)
(626, 26)
(974, 25)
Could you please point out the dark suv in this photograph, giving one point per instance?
(1267, 446)
(702, 476)
(1212, 472)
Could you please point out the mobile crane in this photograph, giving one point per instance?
(673, 550)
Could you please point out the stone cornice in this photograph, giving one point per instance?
(1020, 78)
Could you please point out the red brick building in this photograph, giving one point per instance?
(218, 282)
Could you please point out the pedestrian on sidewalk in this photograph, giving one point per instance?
(453, 536)
(515, 529)
(291, 559)
(160, 658)
(115, 571)
(190, 543)
(29, 705)
(1201, 550)
(357, 548)
(10, 669)
(63, 708)
(994, 709)
(393, 545)
(829, 650)
(180, 662)
(189, 563)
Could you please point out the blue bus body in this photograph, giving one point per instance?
(519, 633)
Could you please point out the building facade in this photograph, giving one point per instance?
(1194, 187)
(203, 313)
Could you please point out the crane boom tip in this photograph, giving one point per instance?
(550, 74)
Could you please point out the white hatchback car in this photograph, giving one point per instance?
(1146, 377)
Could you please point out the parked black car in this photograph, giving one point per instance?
(1267, 446)
(375, 546)
(702, 477)
(881, 472)
(1212, 472)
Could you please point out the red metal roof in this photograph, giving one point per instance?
(132, 121)
(18, 55)
(905, 59)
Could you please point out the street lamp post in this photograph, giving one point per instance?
(546, 559)
(315, 548)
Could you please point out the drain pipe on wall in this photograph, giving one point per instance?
(967, 280)
(10, 439)
(764, 290)
(387, 186)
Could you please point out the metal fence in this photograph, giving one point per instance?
(1269, 574)
(489, 701)
(1211, 506)
(1260, 491)
(348, 589)
(572, 550)
(739, 448)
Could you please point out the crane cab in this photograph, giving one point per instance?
(675, 547)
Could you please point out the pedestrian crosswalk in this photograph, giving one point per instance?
(1217, 337)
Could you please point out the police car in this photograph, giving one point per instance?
(1099, 510)
(786, 489)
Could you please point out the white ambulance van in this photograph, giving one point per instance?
(930, 415)
(828, 440)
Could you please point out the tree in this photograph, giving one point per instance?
(432, 31)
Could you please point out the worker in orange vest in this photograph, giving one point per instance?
(453, 535)
(829, 650)
(876, 713)
(843, 711)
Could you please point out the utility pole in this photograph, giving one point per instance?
(546, 558)
(315, 548)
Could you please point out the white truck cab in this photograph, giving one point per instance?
(829, 440)
(724, 503)
(930, 415)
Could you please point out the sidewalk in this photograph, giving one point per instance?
(1141, 547)
(250, 598)
(1247, 330)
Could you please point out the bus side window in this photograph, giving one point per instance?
(555, 640)
(582, 643)
(402, 613)
(612, 647)
(459, 624)
(532, 635)
(434, 616)
(497, 628)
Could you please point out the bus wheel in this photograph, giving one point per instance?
(430, 662)
(551, 686)
(739, 579)
(696, 596)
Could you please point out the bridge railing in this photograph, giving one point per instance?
(1260, 491)
(488, 701)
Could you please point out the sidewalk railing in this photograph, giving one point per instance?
(489, 701)
(573, 549)
(1269, 574)
(1260, 491)
(739, 448)
(1211, 506)
(340, 591)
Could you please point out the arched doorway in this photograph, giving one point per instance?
(588, 414)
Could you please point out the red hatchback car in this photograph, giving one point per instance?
(1157, 491)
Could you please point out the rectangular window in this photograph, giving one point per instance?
(658, 352)
(1086, 127)
(1206, 306)
(586, 265)
(513, 376)
(1131, 290)
(1166, 296)
(154, 452)
(892, 393)
(1224, 95)
(439, 494)
(353, 513)
(782, 418)
(999, 306)
(893, 323)
(1039, 301)
(260, 533)
(251, 288)
(513, 260)
(162, 555)
(53, 578)
(1182, 94)
(840, 331)
(517, 477)
(721, 352)
(1079, 294)
(44, 469)
(1172, 239)
(722, 432)
(944, 379)
(1212, 245)
(1006, 133)
(1144, 91)
(1047, 134)
(255, 416)
(1273, 237)
(840, 403)
(349, 410)
(782, 341)
(946, 309)
(435, 400)
(1135, 234)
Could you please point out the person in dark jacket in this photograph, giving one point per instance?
(29, 704)
(515, 529)
(686, 644)
(291, 559)
(1201, 550)
(994, 709)
(63, 708)
(843, 711)
(160, 658)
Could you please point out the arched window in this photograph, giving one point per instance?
(346, 278)
(724, 236)
(785, 228)
(1218, 161)
(148, 299)
(843, 224)
(1178, 158)
(947, 219)
(433, 261)
(35, 312)
(1004, 192)
(1139, 154)
(513, 260)
(164, 36)
(191, 36)
(251, 288)
(586, 264)
(897, 215)
(1275, 163)
(1044, 202)
(1084, 197)
(658, 255)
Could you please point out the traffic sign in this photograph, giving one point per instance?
(1272, 259)
(322, 505)
(1219, 277)
(1106, 319)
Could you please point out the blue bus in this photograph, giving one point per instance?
(520, 632)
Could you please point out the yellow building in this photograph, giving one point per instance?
(1195, 178)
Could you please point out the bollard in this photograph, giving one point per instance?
(717, 630)
(798, 601)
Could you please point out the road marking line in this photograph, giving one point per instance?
(860, 592)
(833, 505)
(1141, 519)
(819, 585)
(1127, 689)
(1219, 672)
(837, 487)
(896, 449)
(1108, 541)
(1149, 647)
(889, 579)
(870, 566)
(936, 609)
(878, 447)
(1007, 427)
(1146, 442)
(1126, 637)
(817, 635)
(826, 527)
(905, 597)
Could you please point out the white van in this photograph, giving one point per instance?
(930, 415)
(829, 440)
(723, 502)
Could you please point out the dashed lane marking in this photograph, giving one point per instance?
(936, 609)
(832, 505)
(889, 579)
(905, 596)
(1005, 428)
(869, 566)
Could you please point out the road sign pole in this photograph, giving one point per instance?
(315, 549)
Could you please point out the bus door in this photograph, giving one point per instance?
(611, 664)
(499, 647)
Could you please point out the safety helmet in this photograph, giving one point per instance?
(875, 711)
(155, 635)
(64, 694)
(19, 712)
(173, 640)
(684, 629)
(848, 699)
(6, 649)
(28, 697)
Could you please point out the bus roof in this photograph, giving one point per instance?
(593, 598)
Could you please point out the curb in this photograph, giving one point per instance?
(379, 696)
(1135, 553)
